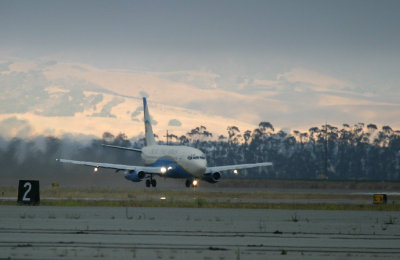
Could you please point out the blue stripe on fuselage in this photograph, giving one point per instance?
(176, 171)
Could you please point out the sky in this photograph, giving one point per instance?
(295, 64)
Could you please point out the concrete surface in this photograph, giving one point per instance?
(39, 232)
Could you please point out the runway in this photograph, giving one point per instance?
(179, 233)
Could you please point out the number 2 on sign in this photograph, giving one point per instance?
(29, 185)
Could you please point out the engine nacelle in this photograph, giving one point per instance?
(212, 177)
(134, 176)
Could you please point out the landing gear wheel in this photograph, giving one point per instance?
(153, 183)
(147, 183)
(188, 183)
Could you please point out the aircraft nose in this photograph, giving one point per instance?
(201, 166)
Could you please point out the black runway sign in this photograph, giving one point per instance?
(28, 192)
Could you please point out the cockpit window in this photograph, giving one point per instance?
(196, 157)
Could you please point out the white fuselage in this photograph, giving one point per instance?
(179, 160)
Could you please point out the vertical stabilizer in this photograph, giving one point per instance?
(147, 125)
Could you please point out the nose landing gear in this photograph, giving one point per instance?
(193, 183)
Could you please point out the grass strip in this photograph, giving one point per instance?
(187, 194)
(202, 203)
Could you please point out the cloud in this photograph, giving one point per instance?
(144, 94)
(243, 83)
(200, 79)
(85, 96)
(135, 114)
(331, 100)
(317, 81)
(63, 103)
(79, 68)
(22, 91)
(106, 110)
(13, 126)
(5, 66)
(174, 122)
(47, 63)
(163, 90)
(265, 83)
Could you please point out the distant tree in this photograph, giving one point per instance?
(199, 132)
(353, 152)
(247, 136)
(221, 138)
(387, 129)
(265, 125)
(122, 140)
(183, 140)
(108, 137)
(257, 135)
(173, 137)
(233, 132)
(313, 131)
(282, 134)
(372, 127)
(303, 137)
(371, 130)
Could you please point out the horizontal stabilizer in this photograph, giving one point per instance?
(123, 148)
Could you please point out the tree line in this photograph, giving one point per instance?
(348, 152)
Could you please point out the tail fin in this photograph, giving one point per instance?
(147, 125)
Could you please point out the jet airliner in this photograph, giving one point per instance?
(182, 162)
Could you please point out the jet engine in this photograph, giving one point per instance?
(212, 177)
(134, 176)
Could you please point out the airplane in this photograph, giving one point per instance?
(172, 161)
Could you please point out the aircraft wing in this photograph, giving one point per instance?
(146, 169)
(235, 167)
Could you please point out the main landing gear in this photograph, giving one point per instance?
(151, 182)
